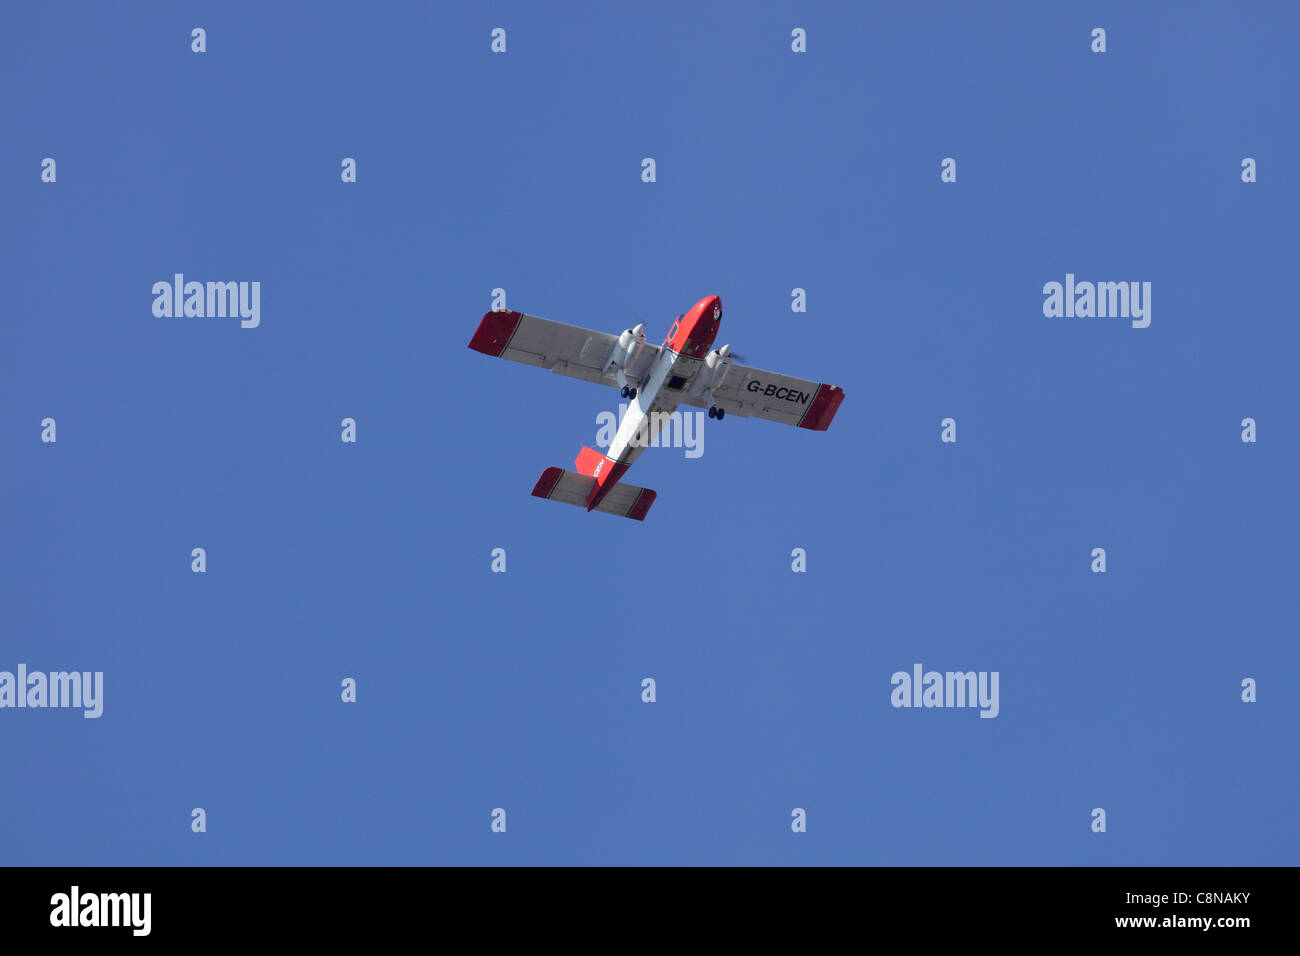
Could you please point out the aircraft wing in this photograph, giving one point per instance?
(752, 392)
(567, 349)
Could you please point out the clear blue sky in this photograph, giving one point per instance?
(522, 690)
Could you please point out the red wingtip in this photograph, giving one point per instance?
(823, 408)
(494, 332)
(546, 484)
(642, 504)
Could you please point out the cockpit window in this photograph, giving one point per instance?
(672, 333)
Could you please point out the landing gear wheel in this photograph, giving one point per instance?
(631, 393)
(623, 391)
(713, 411)
(721, 412)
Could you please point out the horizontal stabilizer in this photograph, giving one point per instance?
(627, 501)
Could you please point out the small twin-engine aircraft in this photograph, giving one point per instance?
(656, 379)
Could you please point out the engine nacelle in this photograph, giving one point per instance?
(629, 343)
(633, 336)
(718, 357)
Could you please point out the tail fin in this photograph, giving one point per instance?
(588, 461)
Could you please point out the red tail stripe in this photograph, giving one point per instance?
(605, 481)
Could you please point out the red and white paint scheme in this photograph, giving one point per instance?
(685, 370)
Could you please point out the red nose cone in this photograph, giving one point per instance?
(708, 308)
(698, 328)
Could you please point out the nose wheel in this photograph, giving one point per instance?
(627, 392)
(716, 412)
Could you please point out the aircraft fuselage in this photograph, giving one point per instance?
(672, 373)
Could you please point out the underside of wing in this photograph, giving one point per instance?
(751, 392)
(569, 350)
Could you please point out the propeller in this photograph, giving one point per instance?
(732, 355)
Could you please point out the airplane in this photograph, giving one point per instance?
(655, 379)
